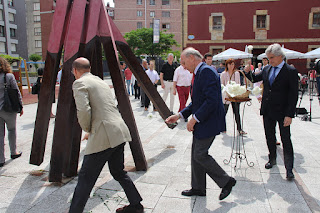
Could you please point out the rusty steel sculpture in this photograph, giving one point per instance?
(82, 28)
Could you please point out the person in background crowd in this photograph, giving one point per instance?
(280, 96)
(208, 60)
(128, 75)
(142, 94)
(39, 82)
(136, 87)
(221, 68)
(8, 118)
(317, 68)
(123, 67)
(107, 134)
(231, 74)
(154, 78)
(181, 84)
(265, 62)
(166, 79)
(207, 121)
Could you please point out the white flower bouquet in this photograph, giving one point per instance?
(256, 91)
(235, 90)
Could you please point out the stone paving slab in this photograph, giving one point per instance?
(25, 188)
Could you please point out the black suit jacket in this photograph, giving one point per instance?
(280, 99)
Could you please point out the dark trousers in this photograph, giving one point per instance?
(90, 171)
(143, 95)
(270, 130)
(147, 100)
(236, 112)
(202, 163)
(136, 90)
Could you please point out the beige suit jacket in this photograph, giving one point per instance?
(98, 114)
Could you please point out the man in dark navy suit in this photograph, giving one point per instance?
(208, 120)
(280, 96)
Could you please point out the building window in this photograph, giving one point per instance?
(261, 21)
(13, 47)
(10, 2)
(139, 13)
(37, 31)
(165, 2)
(152, 14)
(166, 14)
(316, 20)
(38, 44)
(2, 31)
(152, 2)
(151, 25)
(1, 15)
(36, 18)
(165, 26)
(139, 2)
(217, 22)
(12, 33)
(139, 25)
(111, 13)
(2, 47)
(36, 6)
(11, 17)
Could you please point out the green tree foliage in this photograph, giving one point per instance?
(141, 42)
(35, 58)
(11, 59)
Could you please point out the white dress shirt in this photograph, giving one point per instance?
(153, 75)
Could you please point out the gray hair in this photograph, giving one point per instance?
(170, 54)
(276, 50)
(191, 51)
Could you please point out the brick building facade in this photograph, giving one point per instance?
(213, 26)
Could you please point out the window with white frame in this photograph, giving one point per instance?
(261, 21)
(37, 31)
(12, 33)
(165, 2)
(316, 20)
(10, 2)
(139, 2)
(139, 13)
(152, 2)
(139, 25)
(166, 26)
(11, 17)
(13, 47)
(151, 25)
(2, 47)
(36, 18)
(36, 6)
(2, 31)
(166, 14)
(152, 14)
(216, 22)
(38, 43)
(1, 15)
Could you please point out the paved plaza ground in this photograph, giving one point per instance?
(24, 187)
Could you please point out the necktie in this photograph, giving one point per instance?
(273, 76)
(192, 83)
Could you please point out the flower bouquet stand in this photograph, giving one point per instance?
(238, 94)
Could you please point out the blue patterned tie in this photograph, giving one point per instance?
(273, 76)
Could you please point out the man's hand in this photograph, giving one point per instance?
(162, 85)
(171, 119)
(190, 124)
(174, 92)
(287, 121)
(85, 137)
(21, 113)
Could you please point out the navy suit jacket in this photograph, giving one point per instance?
(206, 103)
(280, 99)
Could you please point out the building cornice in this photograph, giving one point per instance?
(227, 1)
(284, 40)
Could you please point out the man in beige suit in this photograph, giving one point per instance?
(106, 135)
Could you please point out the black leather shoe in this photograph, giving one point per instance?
(226, 190)
(290, 175)
(270, 164)
(16, 156)
(186, 120)
(192, 192)
(1, 164)
(131, 209)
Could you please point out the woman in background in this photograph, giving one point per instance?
(230, 71)
(8, 118)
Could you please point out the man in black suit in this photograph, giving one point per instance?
(280, 96)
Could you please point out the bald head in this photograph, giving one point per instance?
(81, 64)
